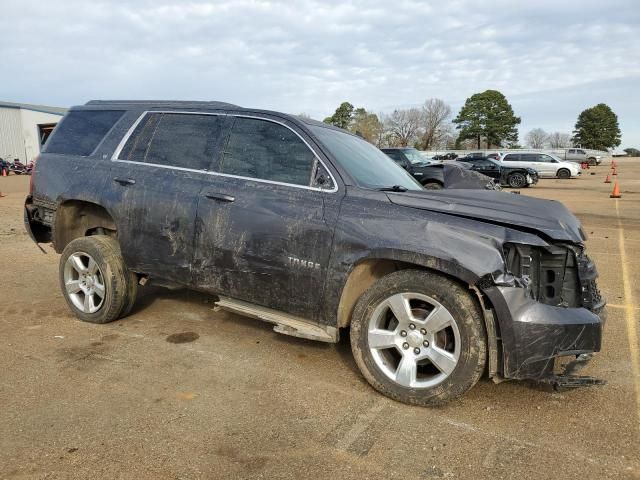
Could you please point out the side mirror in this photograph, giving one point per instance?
(321, 180)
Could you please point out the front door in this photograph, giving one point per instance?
(265, 227)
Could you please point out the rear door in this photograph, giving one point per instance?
(266, 222)
(157, 174)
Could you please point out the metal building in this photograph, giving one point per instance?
(24, 128)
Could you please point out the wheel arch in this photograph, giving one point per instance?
(79, 218)
(367, 271)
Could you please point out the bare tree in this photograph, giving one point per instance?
(435, 113)
(403, 126)
(559, 140)
(536, 138)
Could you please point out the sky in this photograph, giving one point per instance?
(551, 58)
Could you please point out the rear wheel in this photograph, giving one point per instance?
(95, 281)
(418, 338)
(592, 162)
(433, 185)
(564, 173)
(517, 180)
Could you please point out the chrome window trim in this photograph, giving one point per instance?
(125, 138)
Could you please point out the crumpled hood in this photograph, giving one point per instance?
(546, 216)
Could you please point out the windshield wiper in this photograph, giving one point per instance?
(394, 188)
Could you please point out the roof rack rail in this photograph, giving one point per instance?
(161, 102)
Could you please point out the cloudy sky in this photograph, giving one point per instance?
(551, 58)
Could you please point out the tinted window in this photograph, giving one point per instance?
(367, 165)
(530, 157)
(174, 139)
(267, 150)
(395, 155)
(512, 157)
(81, 131)
(572, 151)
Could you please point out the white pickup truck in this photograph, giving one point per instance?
(581, 156)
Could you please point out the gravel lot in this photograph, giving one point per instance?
(233, 399)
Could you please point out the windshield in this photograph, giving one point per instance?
(368, 166)
(414, 156)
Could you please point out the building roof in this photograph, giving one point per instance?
(35, 108)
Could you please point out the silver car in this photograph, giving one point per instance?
(547, 166)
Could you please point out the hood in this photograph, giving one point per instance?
(548, 217)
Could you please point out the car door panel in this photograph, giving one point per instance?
(262, 241)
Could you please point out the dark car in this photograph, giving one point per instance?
(507, 176)
(446, 156)
(436, 175)
(315, 230)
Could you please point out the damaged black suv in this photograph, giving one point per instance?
(315, 230)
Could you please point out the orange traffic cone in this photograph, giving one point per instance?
(4, 172)
(2, 195)
(616, 191)
(613, 171)
(614, 164)
(608, 179)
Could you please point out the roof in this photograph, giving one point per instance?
(208, 105)
(35, 108)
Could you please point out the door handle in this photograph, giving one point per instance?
(220, 196)
(124, 181)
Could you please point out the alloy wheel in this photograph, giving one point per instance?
(414, 340)
(84, 282)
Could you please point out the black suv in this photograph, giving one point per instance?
(514, 177)
(315, 230)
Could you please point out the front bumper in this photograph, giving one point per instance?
(540, 333)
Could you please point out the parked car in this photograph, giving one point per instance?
(407, 156)
(546, 165)
(436, 175)
(446, 156)
(515, 177)
(313, 229)
(581, 156)
(473, 156)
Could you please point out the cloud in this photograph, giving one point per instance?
(311, 55)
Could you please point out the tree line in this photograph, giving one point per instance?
(486, 120)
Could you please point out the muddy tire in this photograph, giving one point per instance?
(564, 174)
(95, 281)
(592, 161)
(419, 338)
(517, 180)
(433, 186)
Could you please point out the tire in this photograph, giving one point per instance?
(433, 186)
(564, 174)
(95, 281)
(460, 346)
(592, 161)
(517, 180)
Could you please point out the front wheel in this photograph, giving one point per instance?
(564, 173)
(418, 338)
(95, 281)
(517, 180)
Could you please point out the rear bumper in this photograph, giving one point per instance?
(541, 333)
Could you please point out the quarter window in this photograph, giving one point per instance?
(174, 139)
(81, 131)
(266, 150)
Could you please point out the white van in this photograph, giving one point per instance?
(546, 165)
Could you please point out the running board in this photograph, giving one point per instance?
(284, 323)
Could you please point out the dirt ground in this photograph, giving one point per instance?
(233, 399)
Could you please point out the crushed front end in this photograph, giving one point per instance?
(556, 313)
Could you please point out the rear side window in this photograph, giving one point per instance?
(174, 139)
(267, 150)
(81, 131)
(512, 157)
